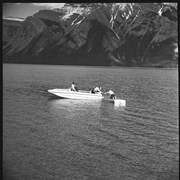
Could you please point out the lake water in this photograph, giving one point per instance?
(48, 138)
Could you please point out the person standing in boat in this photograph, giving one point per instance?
(111, 93)
(74, 87)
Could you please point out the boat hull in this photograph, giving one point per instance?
(68, 94)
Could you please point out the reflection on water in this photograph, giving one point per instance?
(104, 107)
(77, 112)
(74, 103)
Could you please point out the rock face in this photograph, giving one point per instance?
(10, 27)
(122, 34)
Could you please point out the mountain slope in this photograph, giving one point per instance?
(124, 34)
(10, 27)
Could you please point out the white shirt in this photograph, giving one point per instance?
(97, 89)
(73, 86)
(110, 92)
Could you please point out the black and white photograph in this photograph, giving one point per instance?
(90, 91)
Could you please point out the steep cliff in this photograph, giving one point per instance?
(10, 27)
(123, 34)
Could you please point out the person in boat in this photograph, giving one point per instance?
(74, 86)
(111, 93)
(96, 90)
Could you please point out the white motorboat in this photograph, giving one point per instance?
(67, 93)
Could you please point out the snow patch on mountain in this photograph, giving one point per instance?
(14, 18)
(160, 11)
(75, 10)
(135, 16)
(167, 6)
(176, 48)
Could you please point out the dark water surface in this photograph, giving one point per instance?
(49, 138)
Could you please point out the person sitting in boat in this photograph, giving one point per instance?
(111, 93)
(74, 87)
(97, 89)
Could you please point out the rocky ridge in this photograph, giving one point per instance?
(121, 34)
